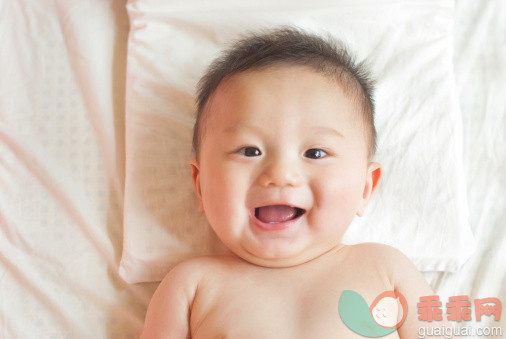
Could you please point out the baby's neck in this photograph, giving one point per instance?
(322, 257)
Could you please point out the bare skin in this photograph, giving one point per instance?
(288, 137)
(226, 297)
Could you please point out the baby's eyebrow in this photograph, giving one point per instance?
(258, 129)
(326, 129)
(242, 126)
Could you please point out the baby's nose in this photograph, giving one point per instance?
(281, 174)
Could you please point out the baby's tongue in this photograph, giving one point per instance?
(276, 213)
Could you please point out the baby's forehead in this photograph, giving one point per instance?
(248, 79)
(269, 91)
(308, 86)
(282, 70)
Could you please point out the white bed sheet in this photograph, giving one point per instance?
(62, 77)
(62, 67)
(480, 67)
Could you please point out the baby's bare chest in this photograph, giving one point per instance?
(274, 305)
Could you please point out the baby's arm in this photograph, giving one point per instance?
(168, 314)
(408, 281)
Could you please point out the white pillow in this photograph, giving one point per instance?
(420, 206)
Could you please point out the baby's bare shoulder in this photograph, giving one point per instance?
(396, 265)
(373, 247)
(193, 271)
(378, 252)
(183, 277)
(403, 277)
(168, 312)
(384, 257)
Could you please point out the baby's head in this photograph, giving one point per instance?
(284, 139)
(287, 47)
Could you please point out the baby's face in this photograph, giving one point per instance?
(283, 165)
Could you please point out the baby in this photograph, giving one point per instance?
(283, 144)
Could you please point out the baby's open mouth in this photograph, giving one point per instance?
(277, 213)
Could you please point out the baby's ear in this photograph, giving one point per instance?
(195, 172)
(371, 183)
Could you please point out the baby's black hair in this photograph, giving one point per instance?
(290, 46)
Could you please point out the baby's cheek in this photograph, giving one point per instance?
(337, 203)
(343, 195)
(222, 199)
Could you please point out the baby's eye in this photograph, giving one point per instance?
(249, 151)
(315, 153)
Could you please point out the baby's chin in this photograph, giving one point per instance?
(283, 260)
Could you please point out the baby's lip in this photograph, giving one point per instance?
(276, 222)
(289, 203)
(276, 203)
(298, 211)
(277, 213)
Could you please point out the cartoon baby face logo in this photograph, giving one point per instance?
(389, 309)
(386, 313)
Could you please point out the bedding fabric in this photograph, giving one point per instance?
(62, 159)
(62, 67)
(420, 206)
(480, 68)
